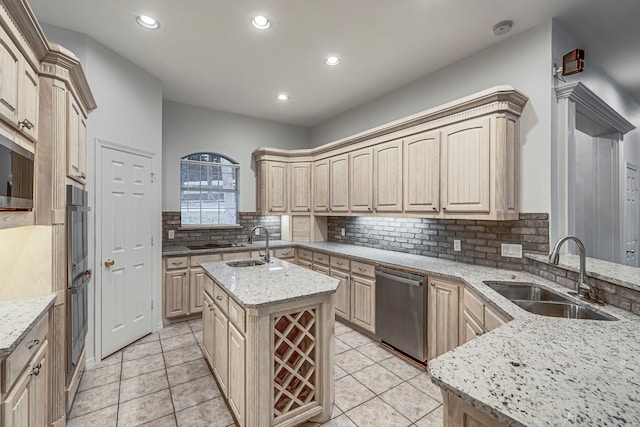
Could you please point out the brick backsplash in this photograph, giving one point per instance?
(610, 293)
(200, 236)
(480, 240)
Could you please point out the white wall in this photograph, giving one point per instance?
(129, 113)
(522, 61)
(188, 129)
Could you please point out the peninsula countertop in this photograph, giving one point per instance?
(274, 283)
(18, 317)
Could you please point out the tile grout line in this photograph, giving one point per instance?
(166, 372)
(120, 386)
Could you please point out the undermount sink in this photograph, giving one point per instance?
(544, 302)
(245, 263)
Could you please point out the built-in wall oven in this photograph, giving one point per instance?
(78, 274)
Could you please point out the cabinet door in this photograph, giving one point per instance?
(176, 293)
(261, 187)
(207, 328)
(10, 60)
(387, 185)
(363, 294)
(443, 316)
(339, 178)
(422, 173)
(16, 404)
(361, 180)
(236, 373)
(470, 328)
(321, 269)
(197, 281)
(492, 319)
(321, 186)
(221, 349)
(28, 99)
(277, 187)
(76, 137)
(300, 187)
(343, 294)
(466, 167)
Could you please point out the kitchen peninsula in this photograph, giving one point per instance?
(277, 309)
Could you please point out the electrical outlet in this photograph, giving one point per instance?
(513, 250)
(172, 234)
(343, 232)
(457, 245)
(257, 232)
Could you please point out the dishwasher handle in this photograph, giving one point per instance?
(394, 277)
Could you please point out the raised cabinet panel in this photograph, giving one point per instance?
(466, 167)
(443, 316)
(237, 344)
(492, 319)
(76, 136)
(300, 187)
(461, 414)
(339, 179)
(361, 180)
(363, 295)
(82, 147)
(16, 404)
(321, 186)
(343, 294)
(277, 187)
(28, 99)
(207, 328)
(470, 328)
(220, 351)
(9, 77)
(176, 293)
(197, 281)
(261, 187)
(422, 173)
(387, 186)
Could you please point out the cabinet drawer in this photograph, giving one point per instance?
(305, 254)
(474, 305)
(237, 315)
(15, 363)
(177, 262)
(284, 253)
(362, 269)
(340, 263)
(221, 298)
(196, 260)
(322, 259)
(304, 263)
(321, 269)
(233, 256)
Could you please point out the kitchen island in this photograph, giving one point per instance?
(268, 338)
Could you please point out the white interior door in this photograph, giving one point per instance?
(126, 253)
(631, 216)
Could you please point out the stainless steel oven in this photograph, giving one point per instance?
(78, 274)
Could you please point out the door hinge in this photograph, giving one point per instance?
(151, 240)
(153, 177)
(151, 304)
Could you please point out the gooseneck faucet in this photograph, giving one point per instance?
(583, 288)
(267, 257)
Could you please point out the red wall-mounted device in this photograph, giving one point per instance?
(573, 62)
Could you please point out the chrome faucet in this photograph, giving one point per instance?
(584, 288)
(267, 257)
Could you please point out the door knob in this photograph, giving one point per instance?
(631, 251)
(109, 262)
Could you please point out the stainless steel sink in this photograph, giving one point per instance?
(537, 300)
(562, 309)
(523, 291)
(245, 263)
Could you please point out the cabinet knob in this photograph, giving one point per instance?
(218, 297)
(478, 334)
(26, 124)
(109, 262)
(33, 343)
(327, 209)
(434, 208)
(433, 284)
(35, 371)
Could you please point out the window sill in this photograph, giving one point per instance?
(208, 227)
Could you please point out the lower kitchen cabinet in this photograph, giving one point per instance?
(477, 318)
(457, 413)
(221, 349)
(176, 293)
(207, 328)
(343, 294)
(363, 296)
(237, 345)
(443, 316)
(470, 328)
(197, 279)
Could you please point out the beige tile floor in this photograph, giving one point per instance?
(162, 380)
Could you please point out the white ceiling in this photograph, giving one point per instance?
(207, 54)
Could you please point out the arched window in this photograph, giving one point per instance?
(209, 190)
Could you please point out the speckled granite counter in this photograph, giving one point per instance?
(183, 250)
(18, 317)
(270, 284)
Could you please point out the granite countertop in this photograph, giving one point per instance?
(274, 283)
(256, 245)
(18, 317)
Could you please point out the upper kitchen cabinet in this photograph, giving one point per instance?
(458, 160)
(77, 141)
(300, 187)
(272, 187)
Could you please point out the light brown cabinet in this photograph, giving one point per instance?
(197, 279)
(478, 317)
(237, 346)
(300, 187)
(77, 141)
(272, 187)
(457, 413)
(343, 294)
(422, 173)
(207, 328)
(28, 100)
(176, 293)
(443, 315)
(361, 180)
(221, 349)
(339, 183)
(387, 184)
(321, 187)
(363, 296)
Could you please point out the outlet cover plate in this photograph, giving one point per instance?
(511, 250)
(457, 245)
(172, 234)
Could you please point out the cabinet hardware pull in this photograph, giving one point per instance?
(26, 124)
(433, 284)
(109, 262)
(176, 263)
(478, 334)
(434, 208)
(218, 297)
(35, 371)
(327, 209)
(33, 344)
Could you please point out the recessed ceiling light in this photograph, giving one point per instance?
(332, 60)
(147, 22)
(502, 28)
(283, 97)
(260, 22)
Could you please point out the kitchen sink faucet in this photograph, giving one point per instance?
(584, 288)
(267, 257)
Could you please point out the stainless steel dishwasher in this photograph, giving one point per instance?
(401, 311)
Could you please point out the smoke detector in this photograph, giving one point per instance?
(502, 28)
